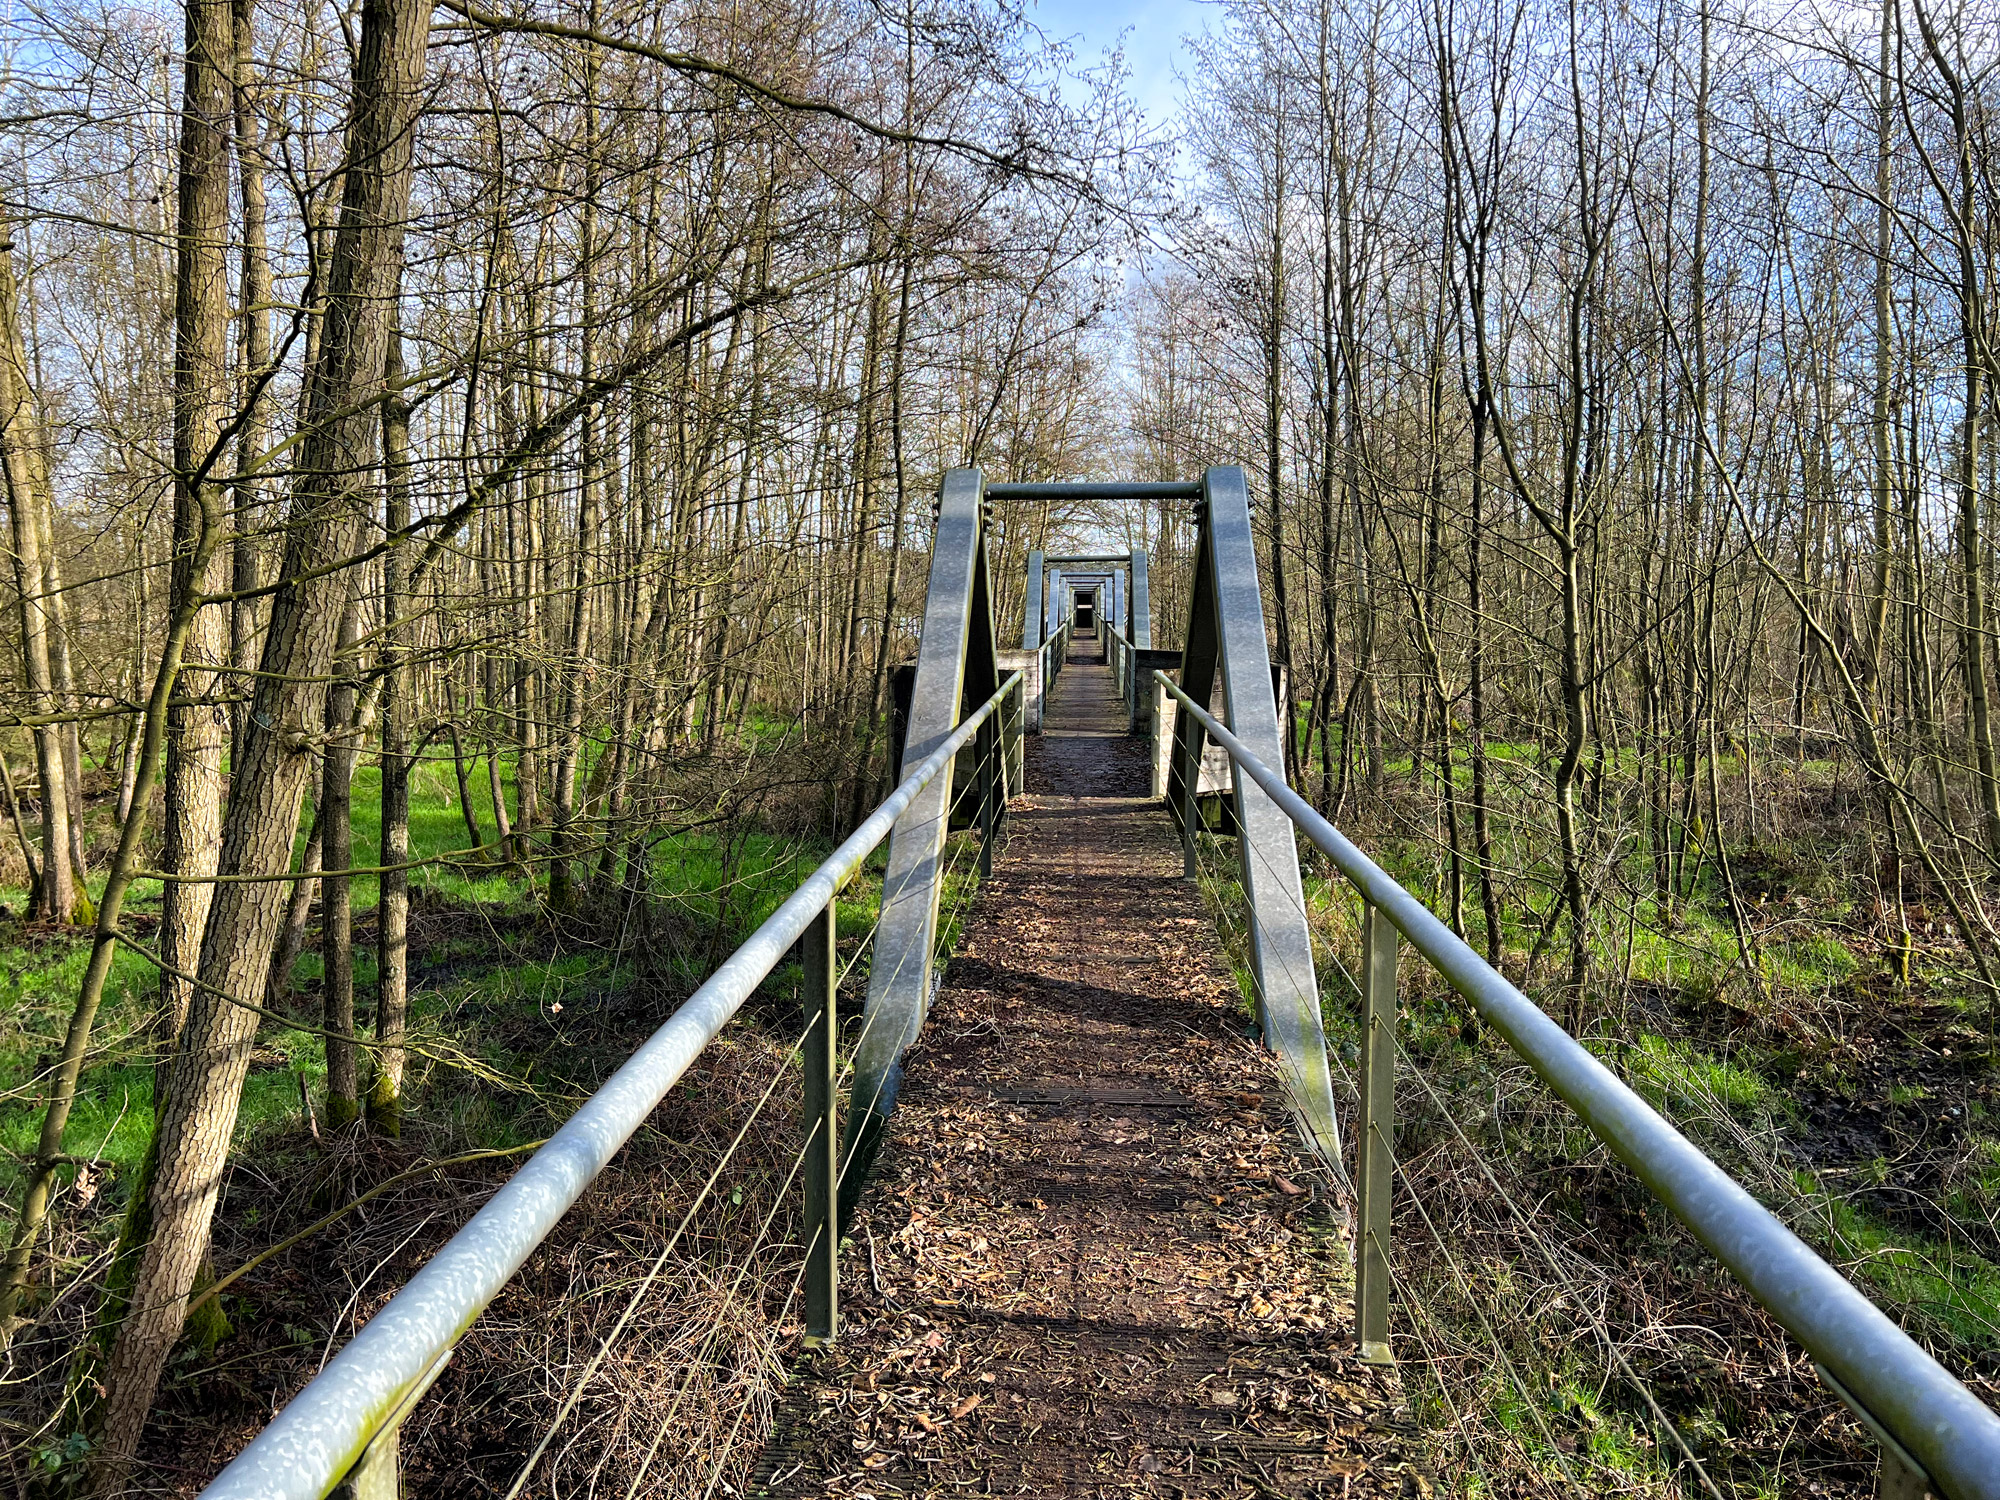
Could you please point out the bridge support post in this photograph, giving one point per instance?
(956, 667)
(1226, 638)
(1378, 1134)
(1035, 617)
(820, 1118)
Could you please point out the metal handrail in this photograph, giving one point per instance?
(323, 1433)
(1053, 651)
(1878, 1368)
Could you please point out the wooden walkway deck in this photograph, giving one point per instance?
(1093, 1261)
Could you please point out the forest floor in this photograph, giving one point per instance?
(1094, 1260)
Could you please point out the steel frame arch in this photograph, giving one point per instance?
(957, 668)
(1225, 636)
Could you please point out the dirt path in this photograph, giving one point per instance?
(1093, 1262)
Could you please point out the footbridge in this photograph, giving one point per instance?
(1081, 1201)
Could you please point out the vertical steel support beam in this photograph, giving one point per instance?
(1226, 631)
(821, 1121)
(1058, 616)
(1141, 633)
(1118, 620)
(1376, 1148)
(1032, 634)
(955, 662)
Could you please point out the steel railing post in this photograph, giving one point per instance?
(1190, 812)
(1898, 1481)
(376, 1476)
(378, 1473)
(1376, 1137)
(1899, 1476)
(986, 744)
(1014, 731)
(820, 1110)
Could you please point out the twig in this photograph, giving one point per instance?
(376, 1191)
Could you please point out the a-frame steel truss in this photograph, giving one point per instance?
(958, 668)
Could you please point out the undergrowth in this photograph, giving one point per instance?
(1556, 1327)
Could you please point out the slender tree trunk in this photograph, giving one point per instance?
(199, 724)
(254, 363)
(27, 477)
(298, 911)
(569, 749)
(392, 917)
(336, 901)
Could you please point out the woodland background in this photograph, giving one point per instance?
(489, 453)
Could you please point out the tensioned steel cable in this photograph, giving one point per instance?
(799, 1278)
(645, 1285)
(617, 1330)
(1611, 1346)
(1211, 877)
(700, 1356)
(1420, 1314)
(1410, 1302)
(1527, 1223)
(638, 1295)
(729, 1444)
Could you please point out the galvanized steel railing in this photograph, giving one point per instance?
(341, 1430)
(1934, 1433)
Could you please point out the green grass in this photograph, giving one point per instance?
(1954, 1295)
(111, 1120)
(483, 1046)
(1666, 1069)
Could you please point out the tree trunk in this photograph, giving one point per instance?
(27, 477)
(336, 890)
(197, 723)
(254, 364)
(298, 910)
(204, 1082)
(392, 917)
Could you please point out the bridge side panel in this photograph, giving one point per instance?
(1031, 624)
(954, 656)
(1281, 944)
(1141, 634)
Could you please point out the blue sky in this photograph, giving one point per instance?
(1152, 44)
